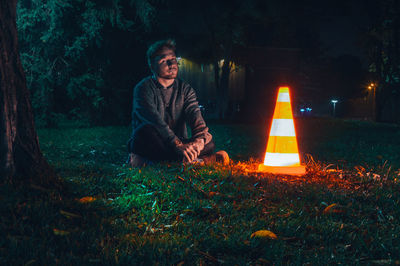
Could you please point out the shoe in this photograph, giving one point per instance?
(222, 157)
(218, 157)
(135, 160)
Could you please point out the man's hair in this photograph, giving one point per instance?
(156, 48)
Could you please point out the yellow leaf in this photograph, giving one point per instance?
(59, 232)
(328, 209)
(87, 199)
(212, 193)
(264, 234)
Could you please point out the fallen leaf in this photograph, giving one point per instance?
(212, 193)
(30, 262)
(87, 199)
(262, 261)
(264, 234)
(207, 256)
(70, 215)
(328, 209)
(39, 188)
(382, 262)
(286, 214)
(59, 232)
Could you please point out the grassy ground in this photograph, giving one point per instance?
(345, 210)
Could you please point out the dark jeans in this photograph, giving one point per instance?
(148, 144)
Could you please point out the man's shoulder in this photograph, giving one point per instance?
(144, 81)
(183, 84)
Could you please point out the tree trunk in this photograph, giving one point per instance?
(224, 89)
(20, 155)
(222, 74)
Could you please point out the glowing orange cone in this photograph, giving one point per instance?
(282, 155)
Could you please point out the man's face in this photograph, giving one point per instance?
(165, 64)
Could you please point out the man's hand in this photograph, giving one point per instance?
(198, 146)
(190, 151)
(187, 150)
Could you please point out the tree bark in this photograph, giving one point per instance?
(223, 94)
(20, 155)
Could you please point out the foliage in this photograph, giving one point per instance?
(169, 214)
(381, 43)
(68, 50)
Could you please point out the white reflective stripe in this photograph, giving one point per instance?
(281, 159)
(283, 97)
(283, 128)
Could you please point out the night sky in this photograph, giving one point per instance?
(340, 33)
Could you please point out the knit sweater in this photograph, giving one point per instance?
(169, 119)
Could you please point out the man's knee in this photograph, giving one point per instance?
(209, 148)
(148, 143)
(147, 132)
(142, 138)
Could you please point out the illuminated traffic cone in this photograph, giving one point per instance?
(282, 155)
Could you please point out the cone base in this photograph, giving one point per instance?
(287, 170)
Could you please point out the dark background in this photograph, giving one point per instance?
(83, 58)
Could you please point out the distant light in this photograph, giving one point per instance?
(308, 109)
(302, 110)
(334, 101)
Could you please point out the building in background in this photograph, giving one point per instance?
(256, 73)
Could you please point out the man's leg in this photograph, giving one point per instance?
(209, 148)
(209, 156)
(148, 144)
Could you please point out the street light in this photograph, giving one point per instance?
(334, 106)
(372, 87)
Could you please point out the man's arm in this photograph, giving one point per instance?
(194, 118)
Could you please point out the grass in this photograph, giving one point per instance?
(345, 210)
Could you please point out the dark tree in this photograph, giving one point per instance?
(78, 57)
(381, 41)
(211, 31)
(20, 155)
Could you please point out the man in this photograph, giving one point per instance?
(163, 106)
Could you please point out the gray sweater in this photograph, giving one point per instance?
(169, 119)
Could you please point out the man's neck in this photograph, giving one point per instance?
(165, 82)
